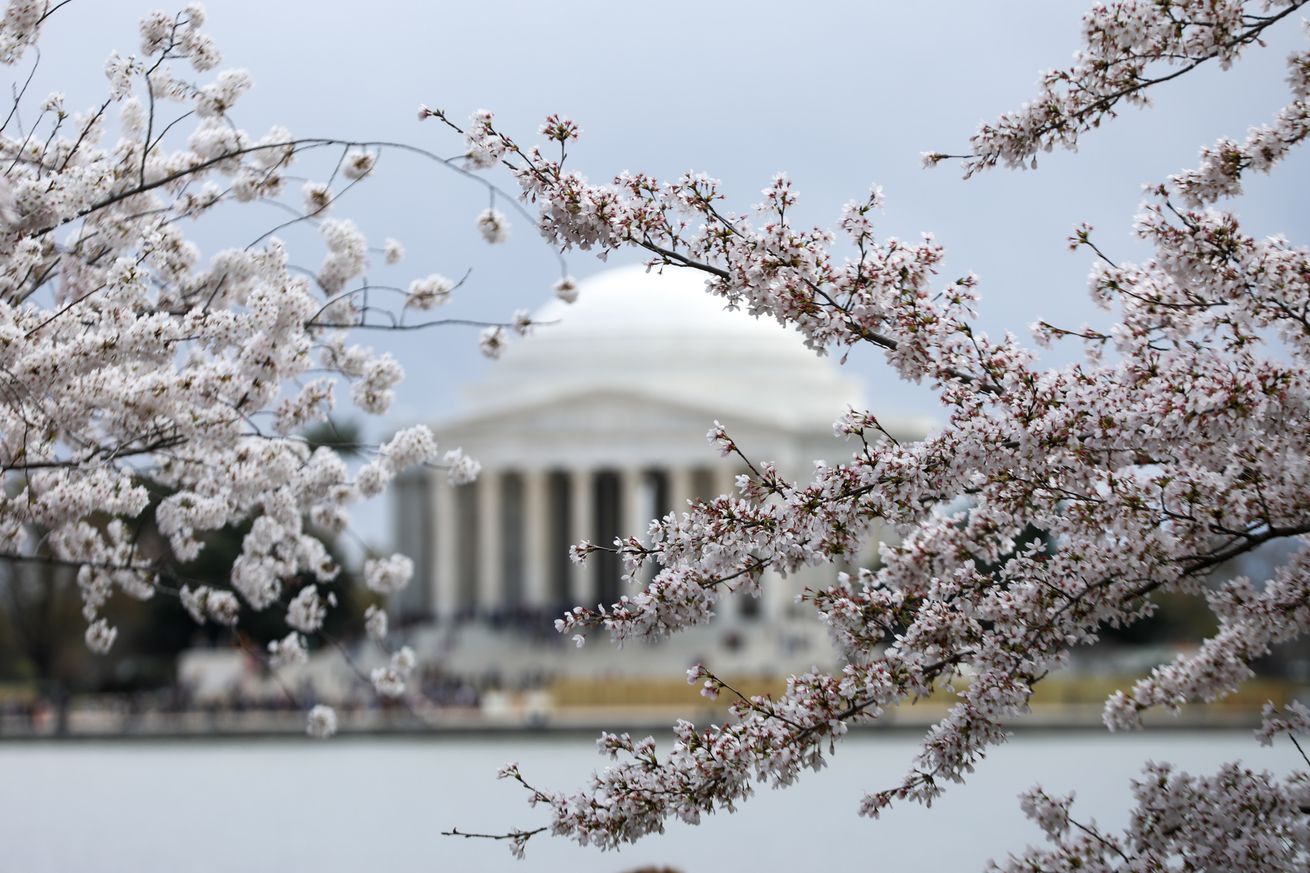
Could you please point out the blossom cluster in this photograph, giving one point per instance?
(130, 359)
(1128, 46)
(1237, 819)
(1178, 443)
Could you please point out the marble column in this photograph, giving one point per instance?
(490, 561)
(445, 583)
(582, 514)
(635, 502)
(729, 608)
(536, 546)
(681, 489)
(776, 595)
(725, 478)
(635, 513)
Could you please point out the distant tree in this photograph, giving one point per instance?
(165, 629)
(1177, 444)
(41, 627)
(345, 438)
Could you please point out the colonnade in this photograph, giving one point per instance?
(498, 548)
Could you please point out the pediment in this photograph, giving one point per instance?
(604, 410)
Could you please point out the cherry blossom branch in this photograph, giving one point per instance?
(1144, 474)
(122, 355)
(1122, 41)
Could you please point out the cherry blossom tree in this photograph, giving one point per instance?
(1177, 443)
(127, 359)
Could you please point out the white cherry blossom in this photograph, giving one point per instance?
(143, 373)
(1147, 468)
(321, 722)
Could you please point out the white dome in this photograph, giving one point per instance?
(662, 335)
(671, 304)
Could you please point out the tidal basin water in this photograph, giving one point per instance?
(379, 804)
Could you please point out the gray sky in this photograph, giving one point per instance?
(840, 95)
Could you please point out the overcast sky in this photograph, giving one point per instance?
(840, 95)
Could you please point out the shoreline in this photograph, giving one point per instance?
(371, 725)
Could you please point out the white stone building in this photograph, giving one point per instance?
(596, 424)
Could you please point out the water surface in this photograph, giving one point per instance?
(364, 805)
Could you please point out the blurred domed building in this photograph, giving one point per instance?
(594, 425)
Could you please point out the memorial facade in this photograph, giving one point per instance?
(593, 426)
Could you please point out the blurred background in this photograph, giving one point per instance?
(592, 426)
